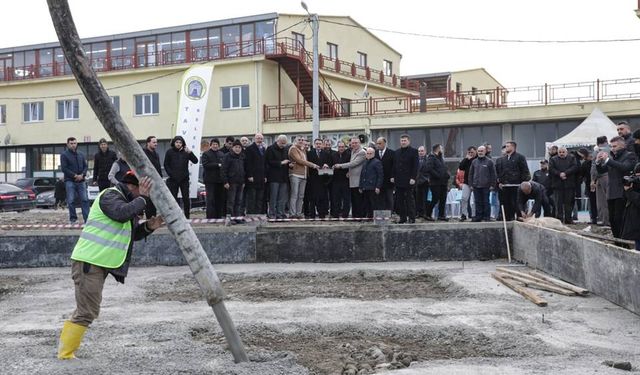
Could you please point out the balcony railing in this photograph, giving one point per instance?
(541, 95)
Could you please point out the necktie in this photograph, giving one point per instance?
(318, 153)
(261, 150)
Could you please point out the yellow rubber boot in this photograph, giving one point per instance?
(70, 339)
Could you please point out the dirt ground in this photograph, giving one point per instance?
(434, 317)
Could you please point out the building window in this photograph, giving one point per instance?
(332, 51)
(362, 59)
(146, 104)
(387, 67)
(68, 109)
(115, 100)
(458, 87)
(3, 114)
(298, 40)
(33, 112)
(235, 97)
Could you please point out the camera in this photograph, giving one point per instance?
(630, 180)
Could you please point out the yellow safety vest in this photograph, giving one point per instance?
(103, 242)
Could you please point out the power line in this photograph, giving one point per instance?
(494, 40)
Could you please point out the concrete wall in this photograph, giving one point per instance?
(606, 270)
(274, 243)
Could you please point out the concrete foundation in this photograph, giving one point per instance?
(606, 270)
(281, 243)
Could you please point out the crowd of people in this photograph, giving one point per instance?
(306, 179)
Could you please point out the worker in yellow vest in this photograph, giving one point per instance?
(104, 248)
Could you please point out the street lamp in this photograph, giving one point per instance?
(315, 24)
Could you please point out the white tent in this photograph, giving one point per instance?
(585, 134)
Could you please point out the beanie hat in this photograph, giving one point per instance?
(130, 178)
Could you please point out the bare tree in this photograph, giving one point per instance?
(186, 238)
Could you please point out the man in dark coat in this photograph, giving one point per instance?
(74, 166)
(277, 159)
(176, 164)
(618, 163)
(563, 170)
(631, 219)
(386, 155)
(482, 179)
(542, 177)
(422, 182)
(371, 182)
(340, 192)
(212, 164)
(317, 184)
(233, 177)
(438, 181)
(537, 192)
(404, 172)
(255, 166)
(512, 170)
(152, 154)
(102, 161)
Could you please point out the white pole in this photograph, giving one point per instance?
(315, 24)
(506, 235)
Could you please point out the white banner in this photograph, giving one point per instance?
(194, 94)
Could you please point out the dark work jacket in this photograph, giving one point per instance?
(73, 163)
(102, 162)
(629, 143)
(423, 172)
(324, 158)
(276, 172)
(482, 173)
(543, 178)
(122, 207)
(538, 193)
(631, 223)
(340, 175)
(465, 165)
(176, 164)
(255, 164)
(387, 166)
(437, 171)
(371, 175)
(567, 165)
(405, 166)
(618, 166)
(211, 165)
(512, 170)
(233, 168)
(155, 159)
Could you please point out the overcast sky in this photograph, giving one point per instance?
(513, 64)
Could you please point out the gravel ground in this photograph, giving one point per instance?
(435, 317)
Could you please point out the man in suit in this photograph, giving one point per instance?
(340, 193)
(371, 183)
(355, 166)
(563, 170)
(212, 164)
(404, 172)
(317, 184)
(255, 165)
(385, 155)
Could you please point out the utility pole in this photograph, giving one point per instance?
(638, 10)
(315, 25)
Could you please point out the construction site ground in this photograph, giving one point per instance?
(436, 317)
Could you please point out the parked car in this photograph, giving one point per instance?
(13, 198)
(46, 199)
(37, 184)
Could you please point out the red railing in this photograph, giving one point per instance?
(540, 95)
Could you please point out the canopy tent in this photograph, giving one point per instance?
(585, 134)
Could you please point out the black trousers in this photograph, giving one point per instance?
(483, 208)
(183, 186)
(387, 197)
(254, 194)
(340, 199)
(234, 200)
(372, 202)
(439, 197)
(405, 199)
(357, 208)
(616, 215)
(421, 199)
(564, 198)
(215, 200)
(593, 207)
(509, 199)
(319, 200)
(104, 184)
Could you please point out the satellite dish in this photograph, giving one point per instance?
(7, 139)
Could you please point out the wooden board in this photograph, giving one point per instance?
(531, 296)
(539, 285)
(560, 283)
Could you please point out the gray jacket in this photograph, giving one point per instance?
(355, 166)
(482, 173)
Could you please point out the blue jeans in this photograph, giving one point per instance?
(483, 209)
(77, 193)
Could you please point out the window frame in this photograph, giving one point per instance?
(360, 56)
(40, 112)
(230, 98)
(298, 39)
(3, 114)
(387, 67)
(74, 106)
(330, 48)
(142, 97)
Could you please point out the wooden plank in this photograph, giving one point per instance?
(560, 283)
(520, 290)
(525, 275)
(539, 285)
